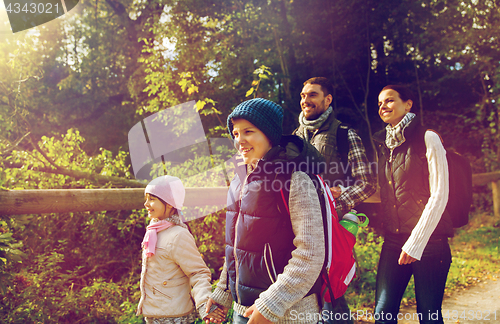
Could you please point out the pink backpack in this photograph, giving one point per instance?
(339, 266)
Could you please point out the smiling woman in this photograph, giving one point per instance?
(414, 188)
(392, 107)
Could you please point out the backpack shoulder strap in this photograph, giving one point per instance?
(418, 141)
(425, 130)
(343, 143)
(285, 195)
(432, 130)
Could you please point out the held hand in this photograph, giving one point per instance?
(218, 315)
(336, 192)
(255, 316)
(405, 258)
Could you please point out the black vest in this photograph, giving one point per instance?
(259, 234)
(337, 171)
(260, 228)
(404, 183)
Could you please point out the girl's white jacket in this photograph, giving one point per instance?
(174, 276)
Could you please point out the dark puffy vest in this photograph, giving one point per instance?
(259, 234)
(260, 228)
(325, 141)
(404, 183)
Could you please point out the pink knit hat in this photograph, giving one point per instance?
(169, 189)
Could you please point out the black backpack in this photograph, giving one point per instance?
(460, 195)
(343, 145)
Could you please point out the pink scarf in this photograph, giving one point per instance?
(149, 241)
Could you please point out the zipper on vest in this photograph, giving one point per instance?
(393, 185)
(236, 263)
(267, 246)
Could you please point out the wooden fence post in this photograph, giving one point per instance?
(495, 190)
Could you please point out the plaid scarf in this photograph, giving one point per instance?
(395, 135)
(312, 125)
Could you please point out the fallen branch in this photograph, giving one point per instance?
(98, 178)
(10, 146)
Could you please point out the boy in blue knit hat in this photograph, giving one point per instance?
(274, 248)
(262, 119)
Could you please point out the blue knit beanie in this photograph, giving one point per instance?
(264, 114)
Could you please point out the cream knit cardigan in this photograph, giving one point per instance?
(439, 188)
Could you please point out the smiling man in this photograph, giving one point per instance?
(347, 173)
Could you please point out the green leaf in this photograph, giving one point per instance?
(6, 236)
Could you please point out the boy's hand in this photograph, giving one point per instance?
(218, 315)
(255, 316)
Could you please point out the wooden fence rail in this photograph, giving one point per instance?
(39, 201)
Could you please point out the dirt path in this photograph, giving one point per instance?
(478, 304)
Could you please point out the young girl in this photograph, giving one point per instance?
(413, 178)
(173, 272)
(274, 255)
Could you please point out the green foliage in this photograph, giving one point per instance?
(362, 289)
(64, 151)
(68, 275)
(476, 253)
(208, 233)
(95, 74)
(9, 253)
(76, 266)
(263, 73)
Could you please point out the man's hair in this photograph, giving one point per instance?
(326, 85)
(404, 92)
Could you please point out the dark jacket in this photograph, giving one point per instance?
(257, 222)
(404, 183)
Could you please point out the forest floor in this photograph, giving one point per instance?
(476, 302)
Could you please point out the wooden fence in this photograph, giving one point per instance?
(39, 201)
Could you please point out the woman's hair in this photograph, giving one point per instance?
(404, 92)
